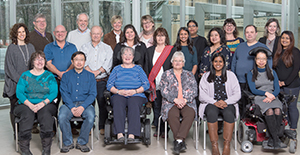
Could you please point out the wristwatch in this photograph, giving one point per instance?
(100, 72)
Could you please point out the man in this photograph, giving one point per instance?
(81, 35)
(242, 62)
(39, 38)
(78, 90)
(99, 62)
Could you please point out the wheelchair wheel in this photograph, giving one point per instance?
(147, 133)
(107, 133)
(247, 146)
(293, 146)
(242, 132)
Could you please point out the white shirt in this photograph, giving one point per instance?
(161, 71)
(97, 57)
(117, 37)
(79, 38)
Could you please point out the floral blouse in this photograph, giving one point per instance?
(207, 55)
(169, 90)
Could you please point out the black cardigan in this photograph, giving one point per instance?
(289, 75)
(149, 63)
(264, 41)
(200, 43)
(141, 48)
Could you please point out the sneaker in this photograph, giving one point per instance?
(102, 131)
(177, 147)
(155, 134)
(82, 148)
(66, 149)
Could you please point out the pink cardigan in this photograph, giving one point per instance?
(206, 92)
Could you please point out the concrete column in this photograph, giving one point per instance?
(228, 8)
(12, 12)
(127, 13)
(94, 12)
(200, 18)
(182, 13)
(167, 19)
(293, 19)
(248, 13)
(136, 15)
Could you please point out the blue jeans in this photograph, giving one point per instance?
(64, 117)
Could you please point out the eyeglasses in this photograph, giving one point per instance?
(229, 25)
(39, 60)
(190, 26)
(146, 23)
(177, 60)
(261, 59)
(43, 21)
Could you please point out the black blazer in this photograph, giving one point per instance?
(200, 43)
(149, 57)
(264, 41)
(141, 48)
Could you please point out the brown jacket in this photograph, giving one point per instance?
(110, 39)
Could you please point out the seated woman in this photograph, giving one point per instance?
(128, 82)
(263, 82)
(219, 92)
(178, 88)
(36, 90)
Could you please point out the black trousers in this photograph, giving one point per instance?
(212, 112)
(27, 116)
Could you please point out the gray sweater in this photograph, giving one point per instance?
(14, 66)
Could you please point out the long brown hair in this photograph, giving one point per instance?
(287, 56)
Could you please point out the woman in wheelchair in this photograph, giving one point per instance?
(263, 82)
(178, 88)
(36, 90)
(127, 82)
(219, 92)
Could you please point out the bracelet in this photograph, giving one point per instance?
(44, 102)
(136, 91)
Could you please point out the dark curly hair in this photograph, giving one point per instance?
(221, 34)
(13, 35)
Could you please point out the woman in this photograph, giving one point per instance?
(219, 93)
(128, 82)
(130, 39)
(216, 39)
(158, 60)
(271, 35)
(36, 90)
(16, 62)
(178, 88)
(114, 37)
(231, 35)
(287, 65)
(184, 44)
(146, 36)
(263, 82)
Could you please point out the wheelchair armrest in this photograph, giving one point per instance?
(248, 94)
(287, 98)
(107, 95)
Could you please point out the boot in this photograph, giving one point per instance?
(213, 135)
(12, 121)
(46, 143)
(273, 131)
(280, 130)
(227, 135)
(24, 147)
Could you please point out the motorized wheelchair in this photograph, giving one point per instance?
(252, 127)
(110, 137)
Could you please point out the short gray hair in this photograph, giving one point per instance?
(39, 15)
(82, 14)
(126, 49)
(178, 54)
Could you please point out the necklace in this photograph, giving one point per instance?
(26, 61)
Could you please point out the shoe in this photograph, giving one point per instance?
(35, 130)
(74, 131)
(183, 146)
(163, 135)
(102, 131)
(155, 134)
(130, 137)
(82, 148)
(177, 147)
(66, 149)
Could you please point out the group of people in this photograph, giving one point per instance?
(194, 77)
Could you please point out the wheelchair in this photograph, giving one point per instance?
(252, 128)
(111, 138)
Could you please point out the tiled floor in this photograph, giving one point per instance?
(7, 145)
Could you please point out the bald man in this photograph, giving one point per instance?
(58, 55)
(99, 62)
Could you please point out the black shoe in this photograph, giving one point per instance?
(82, 148)
(66, 149)
(24, 147)
(177, 147)
(183, 146)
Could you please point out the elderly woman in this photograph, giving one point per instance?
(158, 60)
(219, 93)
(217, 44)
(36, 90)
(263, 82)
(146, 36)
(130, 39)
(271, 35)
(128, 82)
(178, 88)
(114, 37)
(16, 62)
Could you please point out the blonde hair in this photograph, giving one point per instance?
(114, 18)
